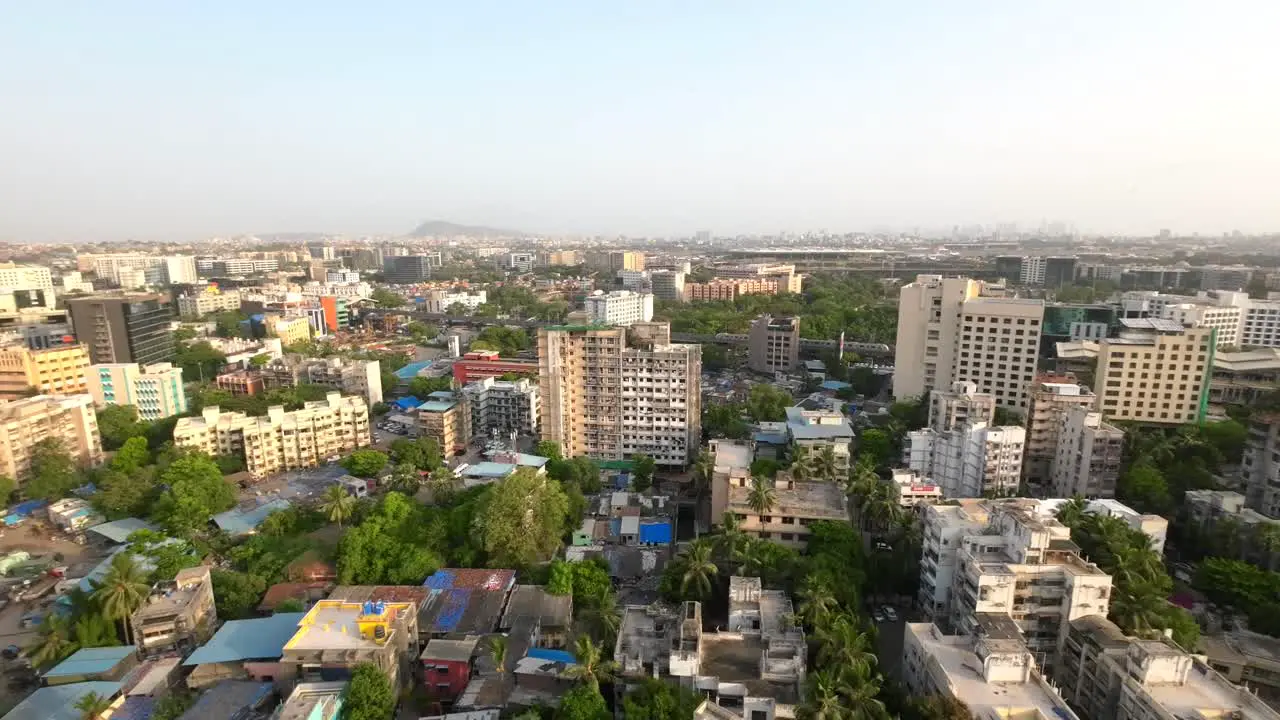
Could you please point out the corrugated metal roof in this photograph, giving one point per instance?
(91, 661)
(242, 522)
(118, 531)
(630, 524)
(59, 702)
(238, 640)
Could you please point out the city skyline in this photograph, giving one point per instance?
(174, 123)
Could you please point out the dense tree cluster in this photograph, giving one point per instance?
(1140, 586)
(1162, 465)
(292, 398)
(828, 305)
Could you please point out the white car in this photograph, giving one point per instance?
(878, 615)
(890, 614)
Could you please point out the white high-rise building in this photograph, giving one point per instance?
(1007, 557)
(156, 390)
(1031, 271)
(620, 307)
(961, 405)
(1087, 462)
(439, 301)
(25, 277)
(180, 270)
(604, 398)
(970, 461)
(502, 407)
(948, 331)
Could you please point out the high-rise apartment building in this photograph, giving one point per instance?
(210, 300)
(1031, 271)
(1239, 319)
(25, 277)
(1156, 372)
(521, 261)
(560, 257)
(626, 260)
(502, 407)
(948, 332)
(970, 461)
(1260, 466)
(406, 269)
(282, 440)
(773, 344)
(620, 307)
(69, 419)
(1087, 462)
(351, 377)
(1051, 397)
(341, 275)
(1106, 675)
(609, 400)
(53, 371)
(960, 406)
(991, 671)
(667, 285)
(123, 328)
(180, 270)
(447, 419)
(1007, 557)
(155, 390)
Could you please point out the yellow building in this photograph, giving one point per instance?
(290, 330)
(321, 430)
(69, 420)
(1156, 371)
(53, 371)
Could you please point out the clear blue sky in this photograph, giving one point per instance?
(179, 120)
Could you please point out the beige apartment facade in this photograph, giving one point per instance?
(1155, 372)
(949, 331)
(1087, 461)
(282, 440)
(52, 371)
(604, 398)
(178, 615)
(69, 419)
(774, 344)
(1051, 396)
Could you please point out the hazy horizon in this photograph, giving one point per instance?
(164, 122)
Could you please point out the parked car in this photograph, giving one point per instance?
(878, 615)
(890, 614)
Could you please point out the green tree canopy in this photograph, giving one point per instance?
(523, 519)
(54, 473)
(196, 492)
(386, 298)
(370, 695)
(422, 453)
(118, 423)
(365, 463)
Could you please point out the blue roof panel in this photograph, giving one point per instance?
(91, 661)
(410, 371)
(655, 532)
(59, 702)
(258, 638)
(561, 656)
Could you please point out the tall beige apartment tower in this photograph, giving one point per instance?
(949, 331)
(1157, 371)
(69, 419)
(773, 344)
(612, 395)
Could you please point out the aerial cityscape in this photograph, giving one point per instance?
(578, 362)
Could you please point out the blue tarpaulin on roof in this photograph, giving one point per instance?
(615, 527)
(655, 533)
(561, 656)
(406, 403)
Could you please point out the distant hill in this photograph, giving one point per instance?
(441, 227)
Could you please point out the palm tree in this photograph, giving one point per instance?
(1072, 512)
(55, 642)
(590, 666)
(844, 644)
(92, 705)
(817, 602)
(498, 653)
(878, 508)
(824, 700)
(728, 544)
(703, 469)
(122, 591)
(751, 559)
(801, 468)
(602, 618)
(338, 504)
(761, 496)
(825, 466)
(1137, 608)
(442, 484)
(699, 571)
(861, 692)
(862, 478)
